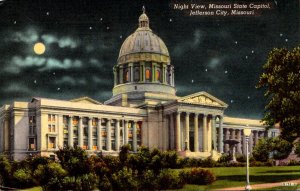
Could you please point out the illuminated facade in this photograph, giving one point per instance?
(144, 110)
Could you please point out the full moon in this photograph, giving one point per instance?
(39, 48)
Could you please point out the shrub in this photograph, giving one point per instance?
(293, 163)
(112, 163)
(169, 179)
(148, 181)
(5, 171)
(262, 149)
(224, 158)
(241, 158)
(208, 162)
(124, 180)
(50, 176)
(74, 160)
(22, 178)
(169, 159)
(198, 176)
(104, 184)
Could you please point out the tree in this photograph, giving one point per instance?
(281, 78)
(279, 148)
(261, 150)
(50, 176)
(74, 160)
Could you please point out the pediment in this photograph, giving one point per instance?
(86, 100)
(202, 98)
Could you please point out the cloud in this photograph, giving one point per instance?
(102, 81)
(17, 63)
(14, 87)
(193, 43)
(28, 36)
(63, 42)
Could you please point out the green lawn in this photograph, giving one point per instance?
(236, 176)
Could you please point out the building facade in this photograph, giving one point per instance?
(144, 110)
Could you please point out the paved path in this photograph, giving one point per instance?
(261, 186)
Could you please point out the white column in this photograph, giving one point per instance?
(244, 143)
(70, 131)
(134, 136)
(80, 132)
(99, 135)
(205, 135)
(108, 135)
(239, 145)
(117, 135)
(226, 138)
(90, 134)
(172, 134)
(196, 138)
(213, 126)
(221, 134)
(125, 132)
(255, 137)
(178, 146)
(187, 131)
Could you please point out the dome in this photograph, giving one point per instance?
(143, 45)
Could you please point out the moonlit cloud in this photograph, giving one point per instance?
(28, 36)
(63, 42)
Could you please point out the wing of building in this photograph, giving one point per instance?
(144, 110)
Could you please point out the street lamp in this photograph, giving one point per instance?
(247, 133)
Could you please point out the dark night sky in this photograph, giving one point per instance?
(220, 55)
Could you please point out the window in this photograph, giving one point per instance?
(94, 122)
(31, 144)
(126, 76)
(53, 118)
(75, 121)
(51, 128)
(49, 118)
(52, 143)
(157, 75)
(85, 131)
(136, 74)
(148, 74)
(94, 132)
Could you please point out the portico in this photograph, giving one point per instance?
(195, 124)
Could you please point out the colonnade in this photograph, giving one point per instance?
(238, 134)
(137, 72)
(203, 125)
(117, 131)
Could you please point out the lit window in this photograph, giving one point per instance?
(53, 128)
(94, 122)
(157, 75)
(53, 118)
(49, 118)
(75, 121)
(126, 76)
(148, 74)
(49, 128)
(52, 144)
(31, 144)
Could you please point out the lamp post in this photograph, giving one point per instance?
(247, 133)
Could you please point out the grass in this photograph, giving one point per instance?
(235, 176)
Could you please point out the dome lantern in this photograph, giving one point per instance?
(143, 20)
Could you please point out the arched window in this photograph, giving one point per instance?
(157, 75)
(126, 76)
(136, 74)
(148, 74)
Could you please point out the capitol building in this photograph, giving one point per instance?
(143, 110)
